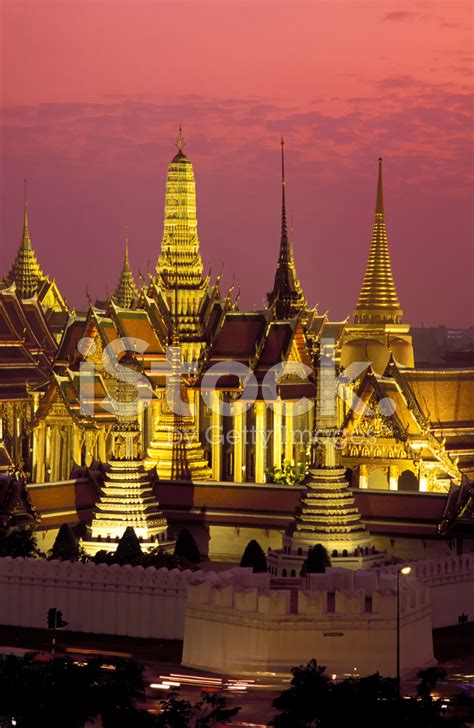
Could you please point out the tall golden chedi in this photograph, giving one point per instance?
(180, 256)
(175, 450)
(378, 330)
(286, 297)
(127, 498)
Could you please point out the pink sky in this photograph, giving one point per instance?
(93, 92)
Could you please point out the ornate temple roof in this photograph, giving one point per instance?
(378, 300)
(286, 297)
(27, 346)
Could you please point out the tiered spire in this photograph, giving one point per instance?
(126, 292)
(126, 498)
(286, 296)
(25, 272)
(378, 300)
(180, 257)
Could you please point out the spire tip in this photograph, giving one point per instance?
(180, 141)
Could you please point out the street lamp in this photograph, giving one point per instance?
(402, 570)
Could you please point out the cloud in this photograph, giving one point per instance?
(398, 16)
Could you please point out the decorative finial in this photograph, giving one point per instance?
(282, 142)
(379, 202)
(126, 244)
(26, 232)
(180, 141)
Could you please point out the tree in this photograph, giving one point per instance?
(21, 542)
(65, 547)
(306, 699)
(62, 694)
(187, 548)
(128, 550)
(317, 560)
(316, 701)
(287, 474)
(253, 556)
(211, 710)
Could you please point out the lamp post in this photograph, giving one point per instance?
(403, 570)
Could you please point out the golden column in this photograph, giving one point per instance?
(239, 442)
(216, 436)
(289, 431)
(277, 432)
(260, 449)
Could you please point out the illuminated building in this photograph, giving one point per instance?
(425, 444)
(126, 498)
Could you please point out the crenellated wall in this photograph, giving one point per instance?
(124, 600)
(346, 619)
(451, 583)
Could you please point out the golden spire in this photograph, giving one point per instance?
(378, 300)
(126, 292)
(26, 232)
(286, 294)
(25, 272)
(180, 265)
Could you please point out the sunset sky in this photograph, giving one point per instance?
(92, 94)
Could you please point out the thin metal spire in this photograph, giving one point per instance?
(26, 232)
(284, 245)
(180, 140)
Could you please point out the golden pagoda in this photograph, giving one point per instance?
(286, 298)
(25, 272)
(378, 300)
(127, 498)
(179, 264)
(378, 331)
(30, 281)
(126, 293)
(175, 450)
(326, 512)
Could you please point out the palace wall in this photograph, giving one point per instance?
(451, 583)
(122, 600)
(235, 623)
(344, 618)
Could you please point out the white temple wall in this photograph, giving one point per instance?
(123, 600)
(238, 628)
(451, 583)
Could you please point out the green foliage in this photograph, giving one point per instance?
(287, 474)
(156, 557)
(254, 556)
(317, 560)
(21, 542)
(129, 550)
(316, 701)
(211, 710)
(187, 548)
(65, 547)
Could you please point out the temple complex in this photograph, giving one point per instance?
(225, 397)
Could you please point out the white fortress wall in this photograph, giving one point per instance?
(345, 619)
(122, 600)
(451, 583)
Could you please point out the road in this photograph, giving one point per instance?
(162, 669)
